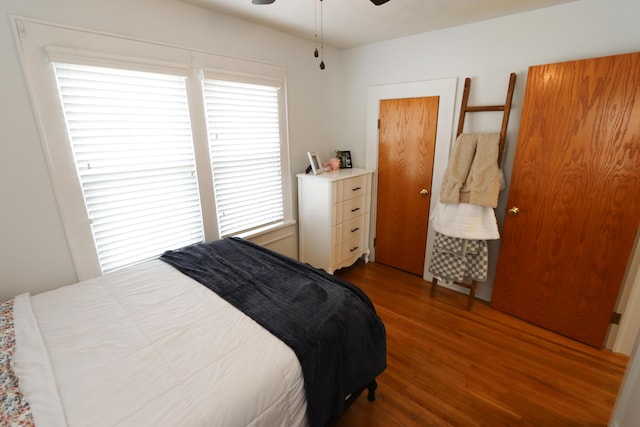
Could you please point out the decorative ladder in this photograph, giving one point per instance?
(465, 108)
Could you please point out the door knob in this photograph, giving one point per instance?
(513, 211)
(424, 193)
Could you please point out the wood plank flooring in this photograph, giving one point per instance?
(447, 366)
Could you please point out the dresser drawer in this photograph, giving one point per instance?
(352, 248)
(352, 208)
(352, 229)
(354, 187)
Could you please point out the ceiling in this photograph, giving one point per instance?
(351, 23)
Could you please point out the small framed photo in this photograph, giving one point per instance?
(316, 164)
(345, 159)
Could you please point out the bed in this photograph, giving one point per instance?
(225, 333)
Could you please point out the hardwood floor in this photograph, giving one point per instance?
(447, 366)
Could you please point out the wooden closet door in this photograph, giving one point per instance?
(406, 145)
(576, 183)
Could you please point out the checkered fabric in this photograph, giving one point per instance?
(455, 259)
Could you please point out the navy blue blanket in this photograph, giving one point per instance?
(330, 324)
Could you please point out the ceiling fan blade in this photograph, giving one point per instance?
(376, 2)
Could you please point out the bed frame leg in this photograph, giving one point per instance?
(372, 386)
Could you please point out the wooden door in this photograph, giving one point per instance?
(576, 183)
(406, 141)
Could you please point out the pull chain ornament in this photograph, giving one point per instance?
(320, 54)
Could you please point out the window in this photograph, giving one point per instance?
(125, 126)
(244, 142)
(131, 138)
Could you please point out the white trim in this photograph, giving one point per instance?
(268, 231)
(446, 90)
(40, 79)
(38, 41)
(629, 327)
(626, 410)
(223, 61)
(94, 58)
(251, 78)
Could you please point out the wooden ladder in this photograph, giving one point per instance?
(466, 108)
(506, 109)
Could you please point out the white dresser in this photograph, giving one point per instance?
(333, 217)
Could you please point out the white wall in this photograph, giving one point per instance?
(488, 52)
(34, 255)
(327, 109)
(626, 411)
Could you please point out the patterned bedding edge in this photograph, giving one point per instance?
(14, 409)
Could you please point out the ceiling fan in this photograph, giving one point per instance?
(376, 2)
(316, 53)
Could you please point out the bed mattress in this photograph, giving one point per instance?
(110, 351)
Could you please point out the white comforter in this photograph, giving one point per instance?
(148, 346)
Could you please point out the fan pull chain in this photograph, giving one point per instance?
(315, 30)
(321, 37)
(320, 54)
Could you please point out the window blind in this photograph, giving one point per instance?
(244, 142)
(130, 134)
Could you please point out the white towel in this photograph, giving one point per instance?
(465, 221)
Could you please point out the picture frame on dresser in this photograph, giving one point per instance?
(345, 159)
(316, 164)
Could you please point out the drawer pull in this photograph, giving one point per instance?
(355, 248)
(353, 230)
(356, 188)
(355, 209)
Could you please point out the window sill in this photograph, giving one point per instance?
(271, 232)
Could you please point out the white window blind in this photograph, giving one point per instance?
(130, 134)
(244, 142)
